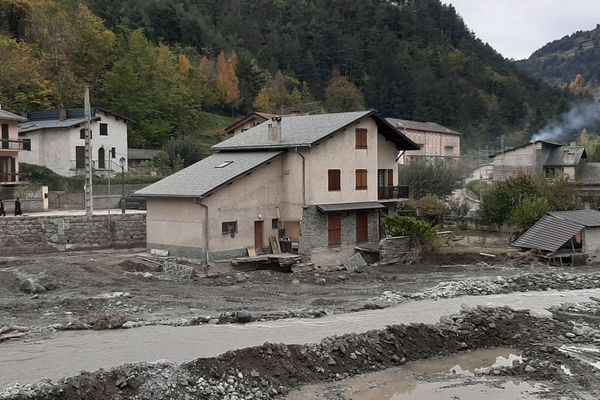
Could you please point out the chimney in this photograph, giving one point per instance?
(62, 113)
(274, 130)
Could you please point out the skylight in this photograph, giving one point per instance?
(224, 164)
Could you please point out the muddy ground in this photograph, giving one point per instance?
(94, 289)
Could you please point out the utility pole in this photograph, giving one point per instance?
(89, 204)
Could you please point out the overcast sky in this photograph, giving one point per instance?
(516, 28)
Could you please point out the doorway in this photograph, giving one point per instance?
(362, 226)
(258, 235)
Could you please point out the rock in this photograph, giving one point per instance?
(121, 383)
(579, 331)
(254, 373)
(27, 286)
(213, 321)
(353, 356)
(529, 369)
(129, 325)
(321, 281)
(51, 285)
(331, 361)
(241, 277)
(243, 316)
(356, 263)
(295, 282)
(570, 335)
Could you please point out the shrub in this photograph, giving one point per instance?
(421, 233)
(529, 211)
(431, 208)
(476, 186)
(429, 178)
(43, 176)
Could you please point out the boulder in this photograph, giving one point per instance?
(243, 316)
(27, 286)
(51, 285)
(356, 263)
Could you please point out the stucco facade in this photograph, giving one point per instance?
(284, 197)
(10, 148)
(57, 148)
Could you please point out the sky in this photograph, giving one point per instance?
(516, 28)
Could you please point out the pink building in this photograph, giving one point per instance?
(10, 146)
(436, 141)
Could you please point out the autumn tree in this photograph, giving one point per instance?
(342, 95)
(227, 81)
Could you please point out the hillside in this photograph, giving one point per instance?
(561, 61)
(162, 62)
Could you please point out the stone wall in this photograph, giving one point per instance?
(392, 248)
(19, 235)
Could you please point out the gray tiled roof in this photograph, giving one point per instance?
(420, 126)
(296, 130)
(31, 126)
(6, 115)
(548, 234)
(204, 176)
(141, 154)
(357, 205)
(565, 155)
(581, 217)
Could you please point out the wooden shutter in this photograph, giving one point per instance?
(361, 179)
(362, 227)
(334, 228)
(334, 182)
(361, 138)
(390, 177)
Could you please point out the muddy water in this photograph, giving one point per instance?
(442, 378)
(68, 353)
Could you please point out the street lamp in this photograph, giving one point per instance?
(122, 163)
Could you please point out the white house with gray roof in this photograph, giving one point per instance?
(320, 180)
(58, 141)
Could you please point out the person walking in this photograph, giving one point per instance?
(18, 210)
(2, 210)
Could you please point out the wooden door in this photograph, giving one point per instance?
(334, 229)
(258, 235)
(362, 227)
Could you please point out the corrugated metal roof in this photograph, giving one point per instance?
(305, 130)
(548, 234)
(586, 218)
(420, 126)
(208, 174)
(360, 205)
(141, 154)
(6, 115)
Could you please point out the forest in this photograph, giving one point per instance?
(172, 65)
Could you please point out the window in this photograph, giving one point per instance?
(334, 229)
(361, 179)
(229, 227)
(275, 223)
(113, 152)
(103, 129)
(224, 164)
(82, 133)
(5, 136)
(27, 144)
(333, 181)
(361, 138)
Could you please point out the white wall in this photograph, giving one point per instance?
(175, 222)
(55, 148)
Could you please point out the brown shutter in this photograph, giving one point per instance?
(333, 178)
(390, 177)
(361, 179)
(334, 228)
(361, 138)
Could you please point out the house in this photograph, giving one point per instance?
(540, 157)
(11, 147)
(565, 234)
(247, 122)
(319, 180)
(58, 140)
(436, 142)
(136, 157)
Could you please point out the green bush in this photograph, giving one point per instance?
(431, 208)
(476, 186)
(421, 233)
(429, 178)
(529, 211)
(39, 175)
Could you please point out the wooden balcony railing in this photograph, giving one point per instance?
(392, 192)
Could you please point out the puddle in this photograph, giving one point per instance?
(451, 378)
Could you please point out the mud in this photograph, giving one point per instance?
(272, 370)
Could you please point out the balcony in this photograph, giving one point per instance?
(392, 192)
(15, 145)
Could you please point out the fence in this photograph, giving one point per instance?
(32, 198)
(103, 197)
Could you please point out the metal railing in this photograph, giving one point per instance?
(15, 145)
(392, 192)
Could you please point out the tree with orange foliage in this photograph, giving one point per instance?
(227, 81)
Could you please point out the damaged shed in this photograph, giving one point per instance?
(565, 234)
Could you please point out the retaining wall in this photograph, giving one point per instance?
(30, 234)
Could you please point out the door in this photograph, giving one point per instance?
(80, 157)
(258, 235)
(362, 227)
(101, 160)
(334, 229)
(5, 142)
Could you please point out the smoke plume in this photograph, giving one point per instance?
(582, 115)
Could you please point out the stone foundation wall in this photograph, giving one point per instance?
(19, 235)
(393, 248)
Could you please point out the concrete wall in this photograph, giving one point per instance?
(314, 236)
(19, 235)
(55, 148)
(433, 145)
(592, 245)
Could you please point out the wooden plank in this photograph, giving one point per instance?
(275, 245)
(251, 251)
